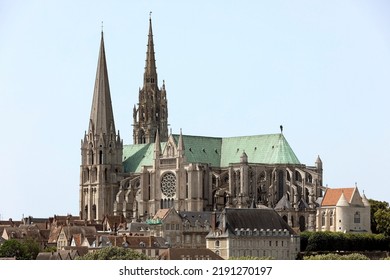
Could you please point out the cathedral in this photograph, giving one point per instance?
(185, 172)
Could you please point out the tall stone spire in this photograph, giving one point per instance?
(151, 113)
(150, 74)
(102, 117)
(101, 151)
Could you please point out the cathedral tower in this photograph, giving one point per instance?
(101, 151)
(152, 112)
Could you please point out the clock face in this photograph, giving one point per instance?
(168, 184)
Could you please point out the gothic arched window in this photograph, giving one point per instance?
(100, 157)
(356, 217)
(331, 218)
(142, 139)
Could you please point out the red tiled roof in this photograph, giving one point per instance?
(332, 196)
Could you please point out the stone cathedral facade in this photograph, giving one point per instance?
(189, 173)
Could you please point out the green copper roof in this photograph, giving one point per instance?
(200, 149)
(217, 152)
(136, 156)
(267, 149)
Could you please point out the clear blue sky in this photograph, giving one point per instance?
(232, 68)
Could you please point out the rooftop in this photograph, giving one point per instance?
(216, 151)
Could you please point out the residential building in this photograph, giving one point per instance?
(252, 232)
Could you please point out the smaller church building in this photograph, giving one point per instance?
(343, 210)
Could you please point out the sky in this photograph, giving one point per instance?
(231, 68)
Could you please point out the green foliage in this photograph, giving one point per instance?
(251, 258)
(114, 253)
(51, 249)
(21, 250)
(337, 241)
(386, 259)
(380, 217)
(382, 220)
(332, 256)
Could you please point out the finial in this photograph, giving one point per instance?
(150, 15)
(281, 129)
(102, 26)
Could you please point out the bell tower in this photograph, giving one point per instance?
(101, 151)
(151, 113)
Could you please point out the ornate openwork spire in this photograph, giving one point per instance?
(151, 112)
(150, 75)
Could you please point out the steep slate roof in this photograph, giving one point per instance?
(263, 218)
(283, 203)
(192, 253)
(46, 256)
(218, 152)
(135, 227)
(332, 196)
(193, 216)
(86, 231)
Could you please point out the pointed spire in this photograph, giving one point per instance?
(102, 117)
(150, 75)
(157, 146)
(365, 200)
(319, 163)
(181, 143)
(342, 200)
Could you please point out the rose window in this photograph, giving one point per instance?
(168, 184)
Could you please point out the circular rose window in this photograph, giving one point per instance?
(168, 184)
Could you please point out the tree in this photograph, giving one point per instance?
(333, 256)
(382, 219)
(380, 222)
(114, 253)
(21, 250)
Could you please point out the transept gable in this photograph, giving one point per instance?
(170, 149)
